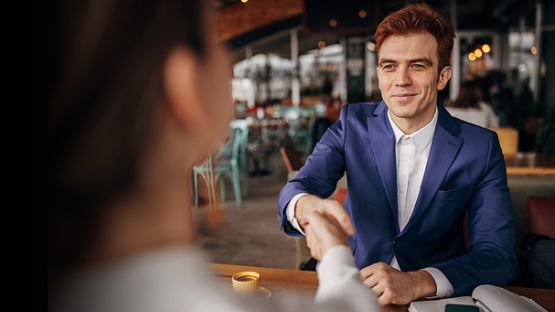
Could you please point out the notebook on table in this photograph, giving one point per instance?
(487, 298)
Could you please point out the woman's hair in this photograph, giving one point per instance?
(469, 96)
(107, 63)
(414, 19)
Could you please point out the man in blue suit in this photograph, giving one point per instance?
(413, 172)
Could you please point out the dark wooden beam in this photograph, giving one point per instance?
(240, 18)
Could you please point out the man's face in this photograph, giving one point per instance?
(409, 79)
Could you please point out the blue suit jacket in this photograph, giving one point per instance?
(465, 173)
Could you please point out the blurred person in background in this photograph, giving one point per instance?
(141, 94)
(470, 107)
(332, 109)
(500, 96)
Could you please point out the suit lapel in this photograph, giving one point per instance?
(382, 143)
(445, 146)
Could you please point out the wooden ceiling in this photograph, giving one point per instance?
(263, 24)
(236, 18)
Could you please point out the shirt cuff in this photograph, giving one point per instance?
(443, 285)
(290, 212)
(339, 282)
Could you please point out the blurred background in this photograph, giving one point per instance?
(296, 62)
(308, 53)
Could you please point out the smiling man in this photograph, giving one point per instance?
(413, 173)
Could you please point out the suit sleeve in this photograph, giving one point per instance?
(491, 258)
(319, 175)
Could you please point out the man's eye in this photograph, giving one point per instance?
(388, 67)
(417, 66)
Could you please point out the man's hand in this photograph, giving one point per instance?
(395, 287)
(322, 233)
(325, 222)
(327, 207)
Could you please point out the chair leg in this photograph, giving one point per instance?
(222, 188)
(242, 170)
(195, 187)
(236, 186)
(245, 175)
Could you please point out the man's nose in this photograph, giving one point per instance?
(403, 77)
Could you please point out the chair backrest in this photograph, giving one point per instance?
(226, 148)
(508, 139)
(541, 215)
(239, 142)
(232, 147)
(242, 125)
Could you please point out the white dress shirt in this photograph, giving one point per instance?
(411, 153)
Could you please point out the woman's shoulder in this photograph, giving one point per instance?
(485, 106)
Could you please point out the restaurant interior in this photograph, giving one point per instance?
(296, 63)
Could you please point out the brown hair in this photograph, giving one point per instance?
(107, 61)
(469, 96)
(418, 18)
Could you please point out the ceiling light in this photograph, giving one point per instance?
(533, 50)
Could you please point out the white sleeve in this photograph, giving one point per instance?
(443, 285)
(340, 281)
(493, 120)
(290, 212)
(340, 289)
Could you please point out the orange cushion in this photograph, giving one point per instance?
(541, 215)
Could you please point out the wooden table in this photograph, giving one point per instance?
(273, 279)
(305, 281)
(530, 164)
(531, 171)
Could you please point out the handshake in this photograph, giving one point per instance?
(326, 224)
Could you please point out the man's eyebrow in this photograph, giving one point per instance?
(425, 60)
(382, 61)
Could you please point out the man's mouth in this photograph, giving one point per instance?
(404, 98)
(404, 95)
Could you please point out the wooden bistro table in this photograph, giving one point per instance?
(279, 280)
(530, 164)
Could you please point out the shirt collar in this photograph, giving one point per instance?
(422, 137)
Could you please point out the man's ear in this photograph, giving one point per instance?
(180, 85)
(444, 77)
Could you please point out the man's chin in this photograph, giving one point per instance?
(401, 111)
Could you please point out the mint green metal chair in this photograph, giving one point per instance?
(244, 125)
(226, 163)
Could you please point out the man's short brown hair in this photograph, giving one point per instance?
(418, 18)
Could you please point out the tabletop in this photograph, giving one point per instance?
(530, 164)
(307, 281)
